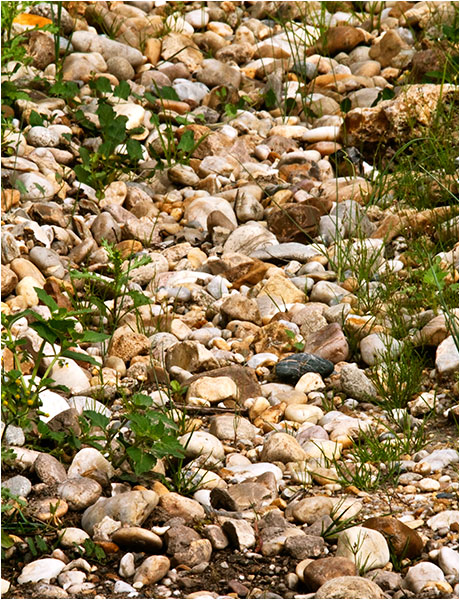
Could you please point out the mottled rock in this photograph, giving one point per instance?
(320, 571)
(294, 222)
(349, 587)
(356, 384)
(328, 343)
(131, 508)
(79, 492)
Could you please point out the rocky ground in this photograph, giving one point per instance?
(229, 280)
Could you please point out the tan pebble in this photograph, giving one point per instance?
(300, 568)
(160, 489)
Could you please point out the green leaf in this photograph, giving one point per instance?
(80, 356)
(94, 336)
(187, 141)
(44, 332)
(7, 541)
(97, 419)
(122, 90)
(46, 299)
(290, 334)
(345, 105)
(168, 93)
(141, 461)
(141, 400)
(139, 298)
(270, 99)
(134, 149)
(35, 119)
(101, 84)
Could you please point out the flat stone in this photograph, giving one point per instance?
(89, 462)
(355, 383)
(242, 496)
(240, 533)
(309, 510)
(177, 505)
(137, 539)
(293, 367)
(231, 427)
(328, 343)
(201, 443)
(294, 223)
(44, 569)
(248, 238)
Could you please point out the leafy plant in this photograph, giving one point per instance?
(118, 152)
(111, 294)
(21, 394)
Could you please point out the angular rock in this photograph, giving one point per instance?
(191, 356)
(294, 223)
(240, 533)
(328, 343)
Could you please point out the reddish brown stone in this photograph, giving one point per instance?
(329, 343)
(402, 540)
(322, 570)
(294, 222)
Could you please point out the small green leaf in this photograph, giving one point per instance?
(101, 84)
(122, 90)
(94, 336)
(168, 93)
(35, 119)
(270, 99)
(46, 299)
(141, 461)
(80, 356)
(7, 541)
(187, 141)
(345, 105)
(97, 419)
(134, 149)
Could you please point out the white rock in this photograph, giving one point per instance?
(213, 389)
(198, 18)
(67, 372)
(447, 356)
(89, 462)
(300, 413)
(72, 535)
(428, 485)
(44, 569)
(320, 134)
(376, 347)
(4, 587)
(367, 548)
(448, 560)
(201, 443)
(34, 186)
(310, 382)
(51, 405)
(443, 520)
(243, 472)
(127, 567)
(421, 575)
(262, 359)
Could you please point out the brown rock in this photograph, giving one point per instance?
(402, 540)
(183, 49)
(10, 198)
(67, 421)
(49, 469)
(342, 38)
(126, 344)
(41, 49)
(329, 343)
(324, 569)
(387, 49)
(152, 50)
(272, 338)
(294, 223)
(241, 496)
(212, 143)
(9, 281)
(238, 306)
(350, 587)
(244, 378)
(199, 552)
(249, 275)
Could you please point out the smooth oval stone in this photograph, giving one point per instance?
(293, 367)
(137, 539)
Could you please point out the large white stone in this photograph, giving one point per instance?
(422, 575)
(367, 548)
(44, 569)
(447, 356)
